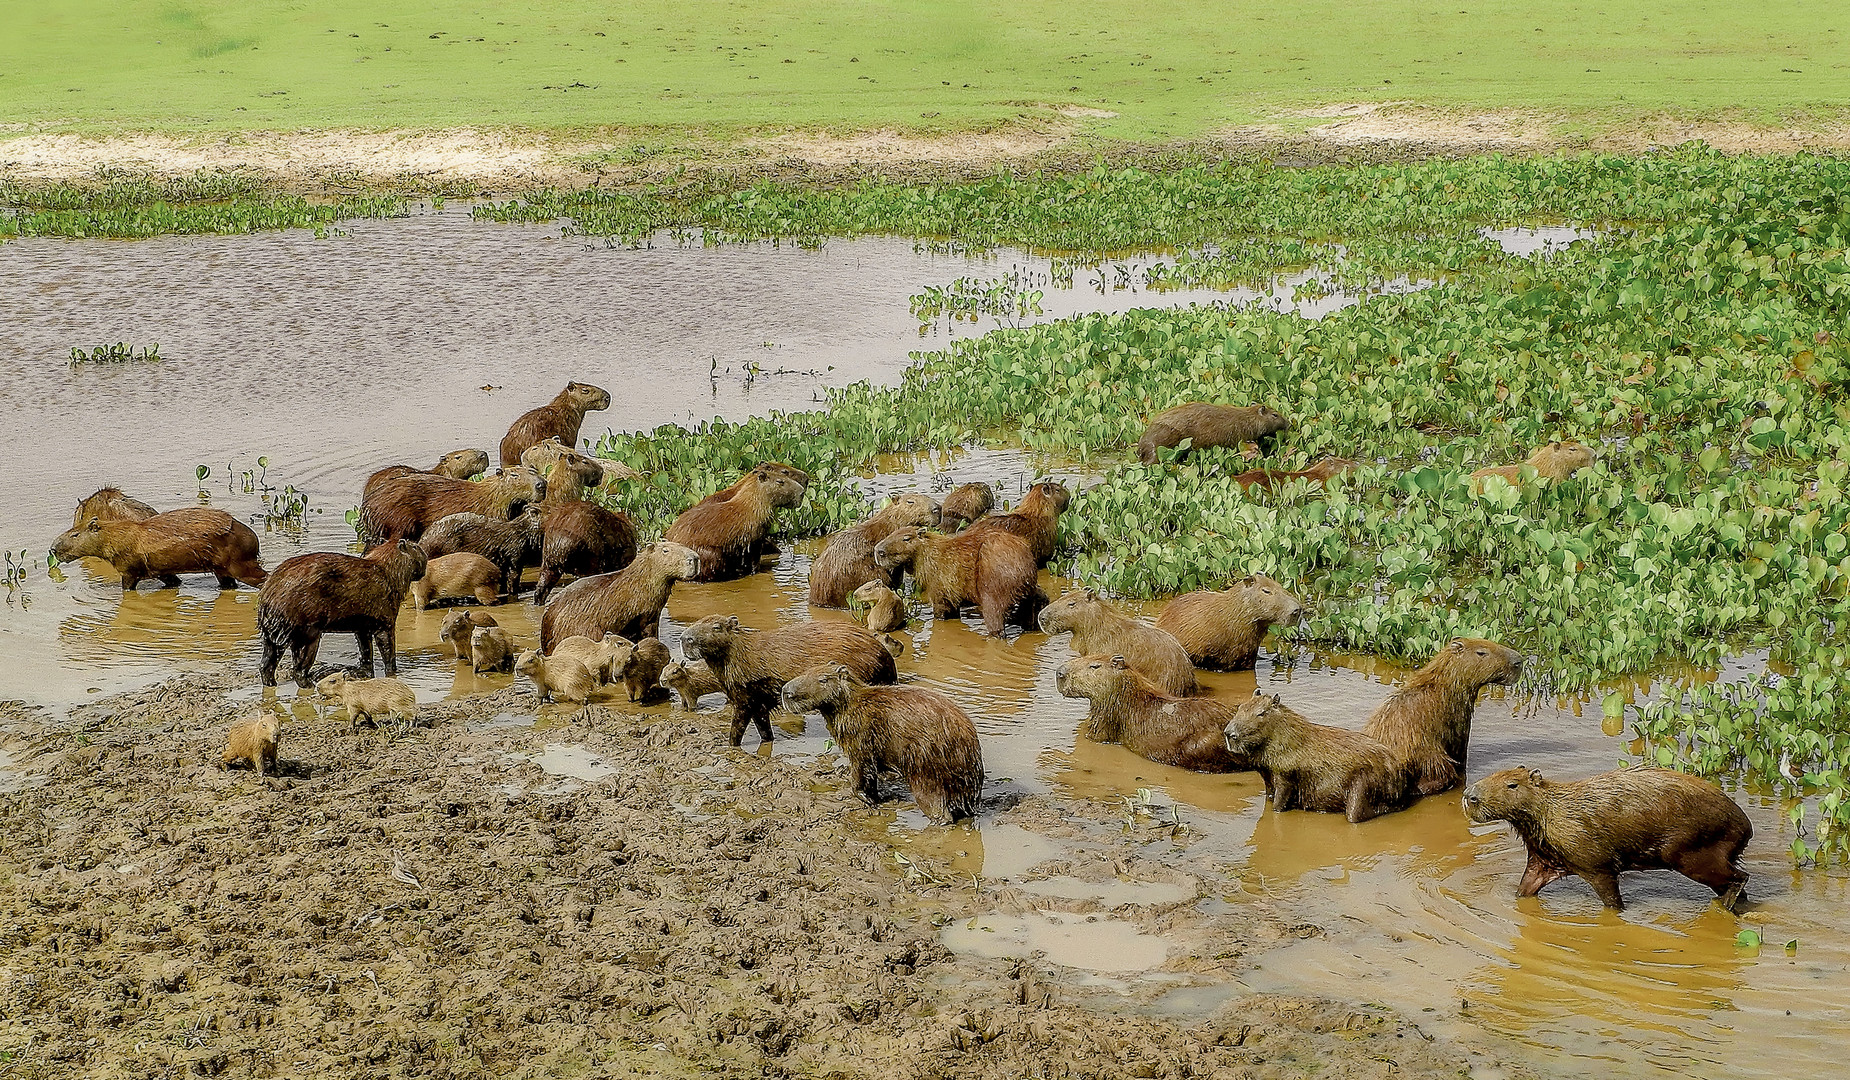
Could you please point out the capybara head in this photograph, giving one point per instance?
(1267, 600)
(904, 510)
(1562, 458)
(1054, 492)
(899, 548)
(410, 553)
(330, 686)
(1090, 676)
(674, 673)
(110, 504)
(710, 638)
(530, 662)
(788, 471)
(586, 397)
(1508, 795)
(779, 490)
(827, 686)
(462, 464)
(871, 593)
(518, 486)
(1246, 729)
(677, 562)
(1475, 662)
(1070, 610)
(83, 541)
(1271, 422)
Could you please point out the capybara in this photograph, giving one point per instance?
(459, 627)
(583, 538)
(642, 670)
(195, 540)
(847, 559)
(253, 741)
(463, 574)
(1427, 722)
(1322, 471)
(323, 591)
(560, 678)
(727, 533)
(1098, 630)
(992, 569)
(512, 545)
(752, 666)
(789, 472)
(490, 649)
(1555, 462)
(1035, 519)
(628, 602)
(965, 504)
(692, 680)
(558, 419)
(920, 734)
(885, 611)
(615, 472)
(603, 659)
(109, 504)
(403, 507)
(1640, 818)
(569, 477)
(457, 465)
(371, 700)
(1221, 631)
(1127, 708)
(1208, 425)
(1309, 766)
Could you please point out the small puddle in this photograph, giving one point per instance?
(1087, 942)
(1110, 894)
(1529, 239)
(572, 762)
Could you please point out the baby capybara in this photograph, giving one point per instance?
(1639, 818)
(1309, 766)
(847, 559)
(195, 540)
(992, 569)
(324, 591)
(490, 649)
(728, 533)
(1126, 708)
(369, 700)
(459, 626)
(1427, 722)
(885, 611)
(558, 419)
(752, 666)
(463, 575)
(403, 507)
(1221, 631)
(1208, 425)
(1555, 462)
(581, 539)
(511, 545)
(1322, 471)
(1098, 630)
(692, 681)
(1035, 519)
(965, 504)
(920, 734)
(559, 678)
(628, 602)
(109, 504)
(642, 670)
(253, 741)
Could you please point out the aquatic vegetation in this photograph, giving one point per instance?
(119, 353)
(1007, 299)
(124, 205)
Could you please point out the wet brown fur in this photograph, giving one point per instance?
(1208, 425)
(1318, 473)
(490, 649)
(642, 670)
(1035, 519)
(885, 612)
(456, 465)
(193, 540)
(558, 419)
(403, 507)
(560, 678)
(323, 591)
(728, 534)
(1126, 708)
(581, 539)
(1427, 722)
(1221, 631)
(109, 504)
(847, 558)
(752, 666)
(628, 602)
(965, 504)
(692, 680)
(511, 545)
(993, 569)
(459, 626)
(1309, 766)
(1098, 629)
(461, 575)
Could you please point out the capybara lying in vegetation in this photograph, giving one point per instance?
(692, 681)
(511, 545)
(1427, 722)
(1639, 818)
(195, 540)
(992, 569)
(459, 627)
(581, 539)
(403, 507)
(642, 670)
(628, 602)
(558, 419)
(728, 533)
(752, 666)
(370, 700)
(109, 504)
(965, 504)
(1323, 470)
(1098, 630)
(847, 559)
(1035, 519)
(885, 611)
(461, 575)
(253, 741)
(490, 649)
(776, 468)
(1127, 708)
(1221, 631)
(559, 678)
(1309, 766)
(1555, 462)
(920, 734)
(323, 591)
(1208, 425)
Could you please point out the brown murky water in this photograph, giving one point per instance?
(333, 357)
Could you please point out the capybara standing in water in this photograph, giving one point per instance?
(109, 504)
(558, 419)
(459, 626)
(692, 681)
(847, 559)
(727, 534)
(920, 734)
(1035, 519)
(403, 507)
(994, 570)
(642, 670)
(1127, 708)
(885, 611)
(490, 649)
(1321, 472)
(1221, 631)
(752, 666)
(1639, 818)
(628, 602)
(1310, 766)
(1427, 722)
(560, 678)
(581, 539)
(195, 540)
(371, 700)
(1097, 629)
(324, 591)
(455, 465)
(253, 741)
(511, 545)
(461, 575)
(569, 473)
(1208, 425)
(1555, 462)
(965, 504)
(776, 468)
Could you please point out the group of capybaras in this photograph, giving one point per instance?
(461, 532)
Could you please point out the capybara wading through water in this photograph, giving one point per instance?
(628, 602)
(965, 504)
(456, 465)
(1640, 818)
(558, 419)
(847, 559)
(1098, 630)
(994, 570)
(1035, 519)
(581, 539)
(324, 591)
(511, 545)
(1221, 631)
(1188, 733)
(109, 504)
(728, 533)
(1206, 426)
(1427, 722)
(1309, 766)
(195, 540)
(403, 507)
(752, 666)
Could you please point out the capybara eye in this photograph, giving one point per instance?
(1512, 783)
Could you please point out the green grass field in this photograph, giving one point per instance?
(1167, 68)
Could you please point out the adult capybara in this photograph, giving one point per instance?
(692, 681)
(195, 540)
(1208, 425)
(109, 504)
(1555, 462)
(463, 575)
(371, 700)
(1098, 630)
(628, 602)
(1322, 471)
(324, 591)
(965, 504)
(752, 666)
(558, 678)
(994, 570)
(457, 465)
(253, 741)
(788, 472)
(885, 611)
(458, 628)
(642, 670)
(403, 507)
(575, 473)
(920, 734)
(847, 559)
(490, 649)
(581, 539)
(1310, 766)
(558, 419)
(1639, 818)
(1221, 631)
(512, 545)
(727, 534)
(1035, 519)
(1127, 708)
(1427, 722)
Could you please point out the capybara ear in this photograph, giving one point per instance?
(1458, 644)
(1258, 693)
(1091, 594)
(732, 622)
(1535, 777)
(1119, 662)
(96, 525)
(1277, 699)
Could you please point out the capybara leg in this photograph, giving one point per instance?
(649, 626)
(227, 582)
(548, 578)
(740, 718)
(932, 800)
(172, 581)
(365, 642)
(1284, 792)
(272, 656)
(269, 761)
(1538, 873)
(1606, 886)
(1714, 869)
(130, 580)
(995, 616)
(1438, 772)
(302, 649)
(763, 722)
(388, 651)
(486, 595)
(946, 612)
(1360, 807)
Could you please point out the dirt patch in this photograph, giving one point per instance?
(1361, 124)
